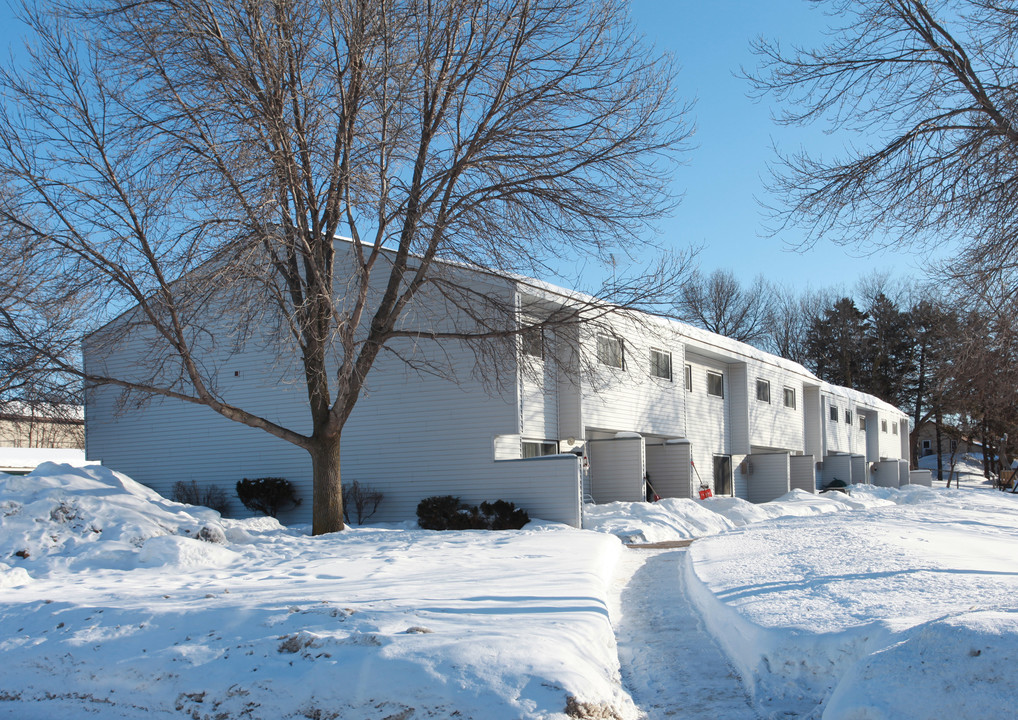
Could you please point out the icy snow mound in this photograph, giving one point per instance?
(668, 519)
(61, 516)
(945, 659)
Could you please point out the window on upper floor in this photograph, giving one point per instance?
(790, 398)
(532, 340)
(661, 364)
(610, 351)
(763, 391)
(834, 413)
(862, 423)
(894, 428)
(848, 417)
(689, 378)
(715, 384)
(883, 426)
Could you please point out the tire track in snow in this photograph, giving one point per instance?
(671, 665)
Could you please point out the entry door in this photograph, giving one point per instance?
(723, 475)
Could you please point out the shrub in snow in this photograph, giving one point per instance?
(504, 515)
(267, 495)
(446, 512)
(363, 499)
(211, 496)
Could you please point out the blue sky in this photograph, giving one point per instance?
(723, 180)
(725, 175)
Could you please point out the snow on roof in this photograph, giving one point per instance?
(42, 411)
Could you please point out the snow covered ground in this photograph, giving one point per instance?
(115, 603)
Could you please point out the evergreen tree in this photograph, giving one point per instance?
(890, 352)
(836, 344)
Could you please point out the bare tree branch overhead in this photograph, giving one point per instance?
(170, 159)
(929, 89)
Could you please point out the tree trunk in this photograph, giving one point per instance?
(327, 505)
(940, 452)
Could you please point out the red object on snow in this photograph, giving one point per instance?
(706, 493)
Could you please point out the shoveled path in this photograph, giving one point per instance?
(671, 665)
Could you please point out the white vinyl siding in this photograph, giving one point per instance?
(614, 401)
(772, 425)
(708, 420)
(768, 476)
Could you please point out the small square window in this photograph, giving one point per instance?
(715, 384)
(533, 342)
(609, 351)
(689, 378)
(661, 364)
(834, 413)
(883, 426)
(790, 398)
(862, 423)
(763, 391)
(848, 417)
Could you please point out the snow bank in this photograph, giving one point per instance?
(66, 517)
(114, 605)
(841, 613)
(668, 519)
(675, 519)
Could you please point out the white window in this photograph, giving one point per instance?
(763, 391)
(715, 384)
(883, 426)
(610, 351)
(848, 417)
(790, 398)
(661, 364)
(894, 428)
(927, 444)
(539, 448)
(689, 378)
(834, 413)
(533, 342)
(862, 423)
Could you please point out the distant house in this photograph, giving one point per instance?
(660, 408)
(42, 426)
(951, 441)
(33, 434)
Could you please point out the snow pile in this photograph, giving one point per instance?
(79, 518)
(896, 610)
(112, 606)
(675, 519)
(668, 519)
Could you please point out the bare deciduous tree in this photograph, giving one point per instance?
(721, 304)
(171, 158)
(929, 89)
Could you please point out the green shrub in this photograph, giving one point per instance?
(267, 495)
(446, 512)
